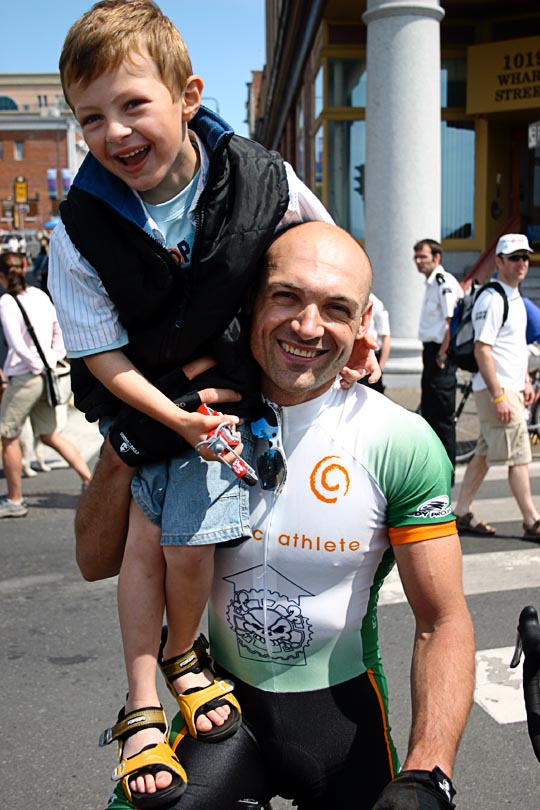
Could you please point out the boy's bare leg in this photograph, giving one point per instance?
(188, 579)
(141, 601)
(101, 521)
(102, 514)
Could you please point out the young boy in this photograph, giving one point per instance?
(162, 233)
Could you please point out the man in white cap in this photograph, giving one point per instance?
(501, 389)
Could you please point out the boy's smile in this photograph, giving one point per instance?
(135, 129)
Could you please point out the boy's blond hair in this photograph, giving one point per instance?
(107, 35)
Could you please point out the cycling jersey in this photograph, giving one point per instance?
(294, 608)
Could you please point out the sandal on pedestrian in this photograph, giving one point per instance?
(465, 524)
(532, 532)
(200, 699)
(151, 760)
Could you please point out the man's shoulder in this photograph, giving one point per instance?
(381, 414)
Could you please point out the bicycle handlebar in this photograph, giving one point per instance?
(528, 642)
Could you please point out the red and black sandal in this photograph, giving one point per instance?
(151, 760)
(200, 699)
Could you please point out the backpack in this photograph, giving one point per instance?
(461, 328)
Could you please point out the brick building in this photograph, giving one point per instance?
(41, 148)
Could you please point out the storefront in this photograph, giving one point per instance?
(411, 120)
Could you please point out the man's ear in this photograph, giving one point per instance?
(191, 97)
(365, 321)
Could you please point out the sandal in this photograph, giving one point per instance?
(464, 524)
(152, 758)
(532, 532)
(200, 699)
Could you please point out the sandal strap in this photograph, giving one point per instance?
(191, 661)
(129, 724)
(192, 702)
(158, 757)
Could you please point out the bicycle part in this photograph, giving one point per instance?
(528, 642)
(223, 440)
(466, 430)
(533, 425)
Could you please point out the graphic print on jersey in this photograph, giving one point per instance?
(287, 633)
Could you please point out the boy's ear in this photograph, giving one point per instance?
(191, 97)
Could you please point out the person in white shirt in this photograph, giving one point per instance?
(380, 331)
(438, 400)
(501, 389)
(24, 393)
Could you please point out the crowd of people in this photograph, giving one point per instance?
(267, 314)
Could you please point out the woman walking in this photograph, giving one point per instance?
(24, 392)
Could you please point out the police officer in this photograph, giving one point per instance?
(438, 400)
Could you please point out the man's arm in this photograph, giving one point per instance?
(101, 520)
(386, 342)
(486, 365)
(443, 666)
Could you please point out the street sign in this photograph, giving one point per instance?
(21, 190)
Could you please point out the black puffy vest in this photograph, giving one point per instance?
(171, 314)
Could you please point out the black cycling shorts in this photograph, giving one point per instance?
(322, 749)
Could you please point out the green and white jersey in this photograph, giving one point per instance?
(294, 608)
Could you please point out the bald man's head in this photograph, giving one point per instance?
(312, 304)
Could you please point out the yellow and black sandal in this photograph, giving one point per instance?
(151, 760)
(200, 699)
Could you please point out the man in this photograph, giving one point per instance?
(438, 399)
(501, 389)
(351, 480)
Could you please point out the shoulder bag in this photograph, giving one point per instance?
(57, 380)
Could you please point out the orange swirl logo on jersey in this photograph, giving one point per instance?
(329, 480)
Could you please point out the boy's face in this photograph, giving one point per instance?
(135, 130)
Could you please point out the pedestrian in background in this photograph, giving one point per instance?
(380, 330)
(438, 398)
(501, 388)
(25, 393)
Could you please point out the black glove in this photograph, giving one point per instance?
(417, 790)
(138, 439)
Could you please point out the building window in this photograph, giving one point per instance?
(7, 103)
(18, 150)
(318, 101)
(453, 83)
(346, 159)
(1, 150)
(318, 157)
(42, 101)
(458, 158)
(346, 83)
(300, 134)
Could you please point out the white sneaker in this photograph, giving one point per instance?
(10, 509)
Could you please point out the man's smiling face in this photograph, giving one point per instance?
(311, 306)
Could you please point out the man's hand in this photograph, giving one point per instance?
(503, 410)
(361, 362)
(528, 393)
(417, 790)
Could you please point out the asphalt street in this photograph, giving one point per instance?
(62, 672)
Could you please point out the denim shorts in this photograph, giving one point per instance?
(195, 502)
